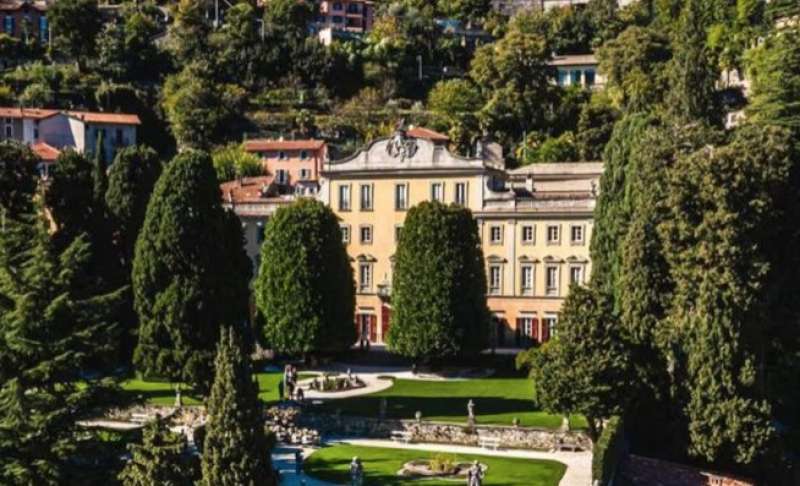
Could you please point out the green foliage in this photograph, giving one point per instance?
(159, 460)
(17, 179)
(70, 194)
(131, 179)
(304, 290)
(187, 284)
(553, 149)
(457, 101)
(608, 451)
(773, 68)
(595, 125)
(634, 64)
(235, 448)
(439, 285)
(233, 161)
(472, 11)
(190, 32)
(587, 368)
(75, 25)
(53, 325)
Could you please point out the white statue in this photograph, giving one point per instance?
(475, 475)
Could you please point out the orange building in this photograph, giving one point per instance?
(294, 165)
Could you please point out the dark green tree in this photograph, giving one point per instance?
(160, 460)
(773, 68)
(53, 326)
(70, 195)
(131, 179)
(17, 179)
(236, 450)
(693, 71)
(305, 291)
(586, 369)
(595, 125)
(75, 25)
(439, 285)
(190, 32)
(469, 11)
(190, 273)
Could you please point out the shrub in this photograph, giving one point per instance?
(442, 463)
(608, 451)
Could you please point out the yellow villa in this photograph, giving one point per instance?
(535, 225)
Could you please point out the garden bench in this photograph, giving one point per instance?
(489, 442)
(401, 436)
(563, 444)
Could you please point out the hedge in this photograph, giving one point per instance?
(608, 451)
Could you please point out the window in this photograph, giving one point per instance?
(398, 229)
(337, 19)
(260, 232)
(366, 197)
(437, 191)
(551, 280)
(526, 279)
(526, 326)
(118, 139)
(496, 235)
(576, 234)
(344, 198)
(400, 197)
(303, 154)
(461, 193)
(305, 174)
(549, 324)
(282, 176)
(495, 280)
(589, 76)
(282, 155)
(366, 234)
(553, 236)
(9, 131)
(563, 76)
(527, 235)
(576, 275)
(337, 5)
(8, 25)
(345, 233)
(365, 277)
(44, 29)
(575, 76)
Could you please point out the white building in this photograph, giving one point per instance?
(578, 69)
(50, 131)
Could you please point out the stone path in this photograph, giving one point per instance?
(579, 464)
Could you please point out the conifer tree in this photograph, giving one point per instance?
(236, 451)
(70, 195)
(304, 290)
(190, 273)
(160, 459)
(17, 179)
(53, 325)
(439, 285)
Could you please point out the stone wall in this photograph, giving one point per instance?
(443, 433)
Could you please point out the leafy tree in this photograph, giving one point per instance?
(457, 101)
(773, 68)
(693, 73)
(75, 25)
(586, 369)
(17, 179)
(439, 285)
(159, 460)
(125, 51)
(236, 451)
(634, 63)
(190, 32)
(187, 284)
(232, 161)
(552, 149)
(515, 79)
(70, 195)
(595, 125)
(471, 11)
(53, 325)
(304, 290)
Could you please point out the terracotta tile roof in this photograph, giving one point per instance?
(36, 113)
(260, 145)
(113, 118)
(249, 189)
(573, 60)
(428, 134)
(45, 152)
(10, 5)
(88, 116)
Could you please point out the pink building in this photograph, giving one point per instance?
(291, 163)
(355, 16)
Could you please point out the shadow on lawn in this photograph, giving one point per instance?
(404, 407)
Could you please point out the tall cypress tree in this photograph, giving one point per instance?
(70, 196)
(53, 325)
(236, 451)
(190, 273)
(159, 460)
(439, 285)
(305, 290)
(17, 179)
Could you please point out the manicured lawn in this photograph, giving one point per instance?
(381, 466)
(497, 402)
(163, 393)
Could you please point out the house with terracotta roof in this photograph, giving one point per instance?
(294, 165)
(50, 131)
(578, 69)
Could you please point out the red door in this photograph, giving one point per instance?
(373, 328)
(386, 315)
